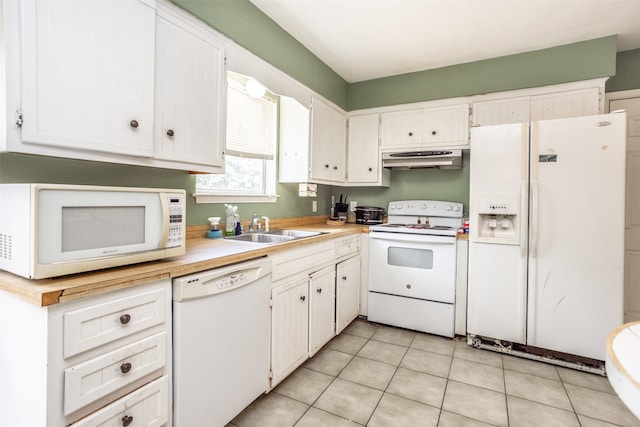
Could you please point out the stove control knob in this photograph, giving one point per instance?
(423, 207)
(392, 206)
(399, 206)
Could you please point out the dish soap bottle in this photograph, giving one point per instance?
(214, 233)
(230, 227)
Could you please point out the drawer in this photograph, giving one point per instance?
(147, 406)
(98, 324)
(306, 259)
(347, 246)
(97, 377)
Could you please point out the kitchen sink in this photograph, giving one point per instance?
(260, 238)
(294, 233)
(274, 236)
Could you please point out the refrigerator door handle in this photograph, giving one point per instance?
(534, 218)
(523, 210)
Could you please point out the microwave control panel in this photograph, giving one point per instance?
(177, 219)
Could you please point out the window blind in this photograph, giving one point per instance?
(250, 125)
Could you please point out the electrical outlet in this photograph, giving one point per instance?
(352, 205)
(314, 206)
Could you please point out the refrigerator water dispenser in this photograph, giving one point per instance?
(498, 219)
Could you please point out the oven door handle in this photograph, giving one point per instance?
(415, 238)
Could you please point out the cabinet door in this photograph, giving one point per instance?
(347, 292)
(446, 126)
(328, 143)
(363, 159)
(501, 111)
(190, 89)
(293, 146)
(401, 129)
(565, 104)
(87, 75)
(321, 308)
(289, 328)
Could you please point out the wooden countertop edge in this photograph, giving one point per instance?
(45, 292)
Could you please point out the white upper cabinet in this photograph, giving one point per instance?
(190, 88)
(565, 104)
(328, 144)
(539, 104)
(446, 126)
(293, 147)
(364, 166)
(87, 75)
(434, 127)
(501, 111)
(401, 128)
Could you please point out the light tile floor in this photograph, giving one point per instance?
(380, 376)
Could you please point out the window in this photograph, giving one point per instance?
(250, 146)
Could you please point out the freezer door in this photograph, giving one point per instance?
(497, 269)
(575, 296)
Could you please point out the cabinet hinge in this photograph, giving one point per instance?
(270, 374)
(19, 118)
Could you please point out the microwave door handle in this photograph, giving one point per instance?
(164, 237)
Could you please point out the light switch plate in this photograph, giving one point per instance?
(352, 205)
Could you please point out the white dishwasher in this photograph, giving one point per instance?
(220, 342)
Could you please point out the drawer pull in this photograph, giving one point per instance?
(302, 298)
(125, 368)
(125, 318)
(344, 277)
(319, 290)
(127, 420)
(133, 123)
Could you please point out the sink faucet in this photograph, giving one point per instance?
(254, 225)
(266, 223)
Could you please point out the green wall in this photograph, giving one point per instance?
(627, 72)
(579, 61)
(244, 23)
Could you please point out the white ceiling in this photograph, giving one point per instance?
(368, 39)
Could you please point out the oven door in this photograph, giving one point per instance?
(413, 265)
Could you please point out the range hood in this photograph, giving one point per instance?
(441, 159)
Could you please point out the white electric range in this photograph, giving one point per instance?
(412, 266)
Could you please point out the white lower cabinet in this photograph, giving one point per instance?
(98, 360)
(321, 308)
(145, 407)
(307, 300)
(289, 327)
(347, 292)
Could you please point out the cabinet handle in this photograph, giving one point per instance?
(170, 132)
(319, 290)
(133, 123)
(126, 420)
(125, 318)
(344, 277)
(433, 132)
(302, 298)
(370, 169)
(410, 133)
(335, 168)
(125, 368)
(326, 166)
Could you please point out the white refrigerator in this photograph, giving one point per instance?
(546, 243)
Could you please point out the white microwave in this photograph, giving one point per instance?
(49, 230)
